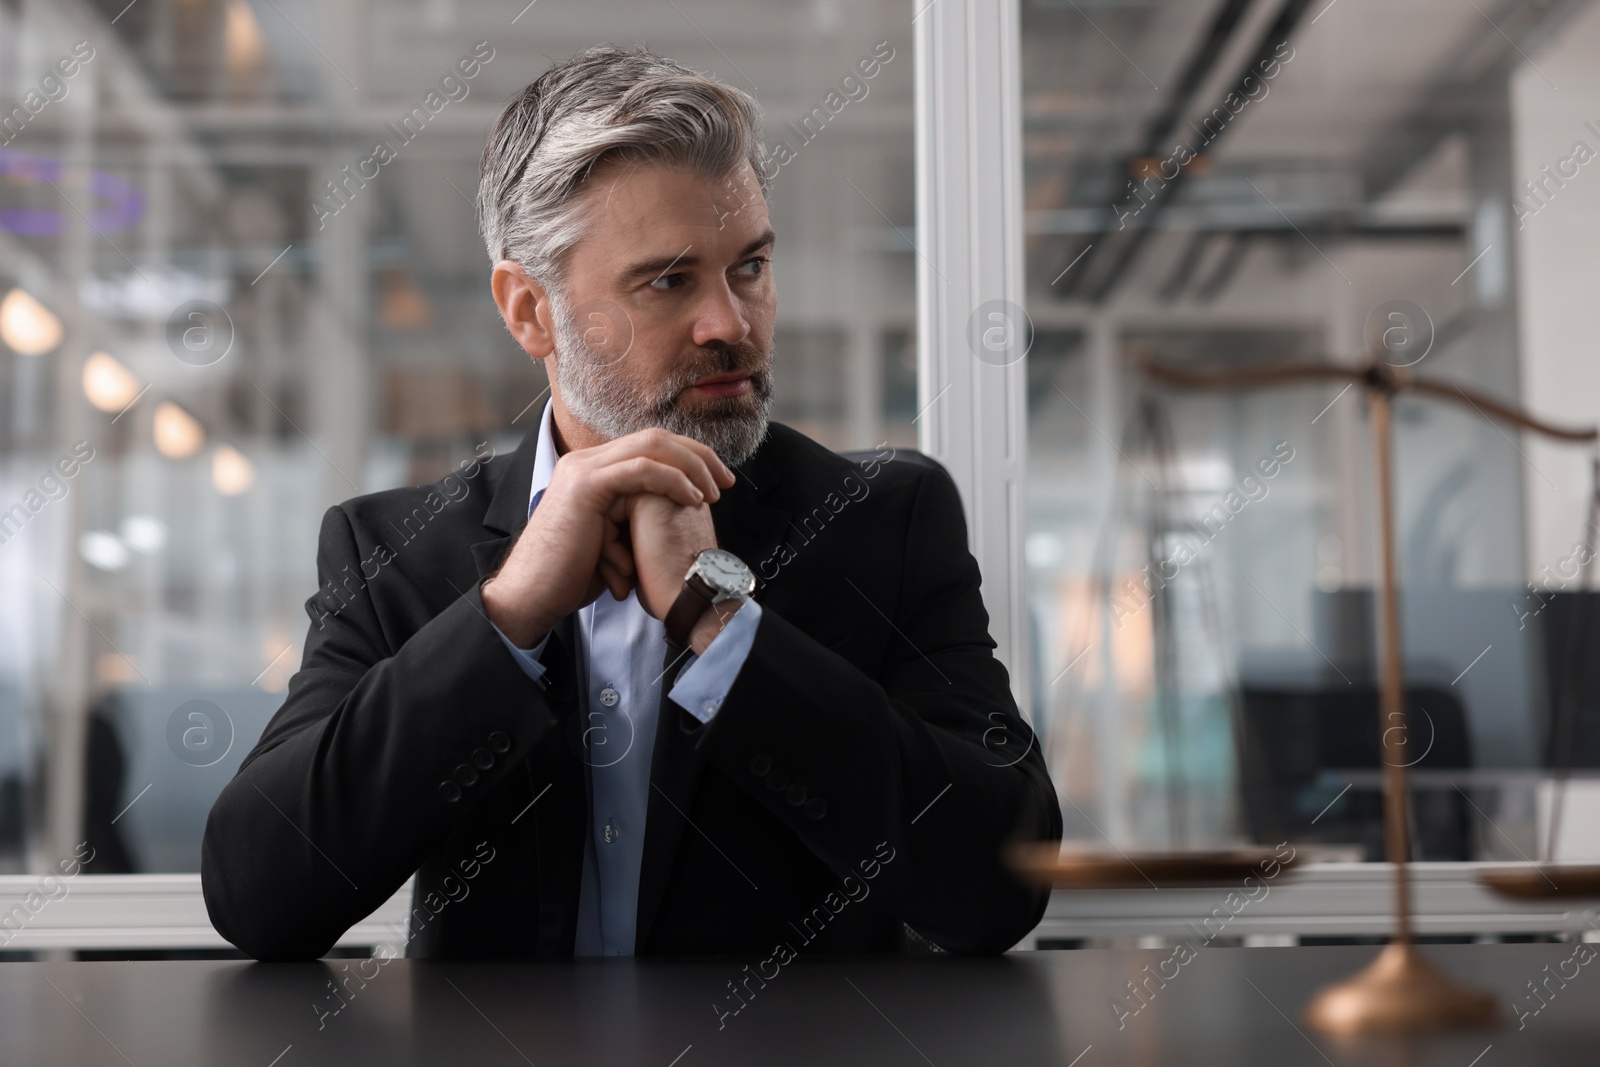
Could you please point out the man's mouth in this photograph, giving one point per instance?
(721, 385)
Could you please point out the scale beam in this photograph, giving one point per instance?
(1399, 992)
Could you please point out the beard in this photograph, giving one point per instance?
(601, 397)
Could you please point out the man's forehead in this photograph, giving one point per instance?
(640, 200)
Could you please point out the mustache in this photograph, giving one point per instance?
(719, 357)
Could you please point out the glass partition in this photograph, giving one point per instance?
(240, 281)
(1235, 184)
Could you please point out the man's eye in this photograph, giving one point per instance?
(753, 268)
(671, 281)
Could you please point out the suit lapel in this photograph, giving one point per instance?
(675, 772)
(558, 823)
(561, 819)
(751, 528)
(507, 512)
(488, 555)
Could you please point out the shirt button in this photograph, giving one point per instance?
(610, 833)
(777, 781)
(760, 765)
(482, 758)
(816, 808)
(450, 792)
(608, 697)
(711, 707)
(500, 741)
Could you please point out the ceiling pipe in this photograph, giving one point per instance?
(1201, 61)
(1277, 33)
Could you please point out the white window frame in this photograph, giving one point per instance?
(973, 413)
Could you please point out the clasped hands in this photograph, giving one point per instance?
(628, 514)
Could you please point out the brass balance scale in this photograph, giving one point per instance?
(1400, 992)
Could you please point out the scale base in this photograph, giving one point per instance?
(1399, 993)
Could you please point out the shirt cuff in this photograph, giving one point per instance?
(704, 683)
(528, 658)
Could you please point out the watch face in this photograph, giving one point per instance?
(725, 572)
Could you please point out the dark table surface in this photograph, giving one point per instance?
(1225, 1006)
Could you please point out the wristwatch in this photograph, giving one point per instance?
(715, 575)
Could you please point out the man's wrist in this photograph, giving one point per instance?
(712, 622)
(523, 632)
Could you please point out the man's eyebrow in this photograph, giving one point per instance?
(764, 241)
(655, 268)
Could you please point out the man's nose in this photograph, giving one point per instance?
(720, 317)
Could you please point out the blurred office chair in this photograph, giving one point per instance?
(1297, 742)
(907, 455)
(1568, 636)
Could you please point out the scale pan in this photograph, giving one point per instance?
(1046, 864)
(1536, 882)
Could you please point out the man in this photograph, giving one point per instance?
(544, 686)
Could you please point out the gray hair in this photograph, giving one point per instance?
(603, 104)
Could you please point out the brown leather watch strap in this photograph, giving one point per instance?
(694, 600)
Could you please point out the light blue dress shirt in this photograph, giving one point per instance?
(620, 654)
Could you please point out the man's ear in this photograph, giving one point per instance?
(525, 308)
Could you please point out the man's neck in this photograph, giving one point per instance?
(568, 433)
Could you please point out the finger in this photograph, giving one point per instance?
(616, 555)
(619, 585)
(642, 474)
(696, 460)
(719, 470)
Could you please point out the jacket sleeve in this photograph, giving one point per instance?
(929, 762)
(374, 756)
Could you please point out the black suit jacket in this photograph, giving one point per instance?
(864, 771)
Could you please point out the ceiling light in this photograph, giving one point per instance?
(27, 326)
(232, 472)
(108, 384)
(178, 434)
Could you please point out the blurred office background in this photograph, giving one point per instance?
(1369, 186)
(238, 359)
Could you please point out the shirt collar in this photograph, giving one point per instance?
(544, 459)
